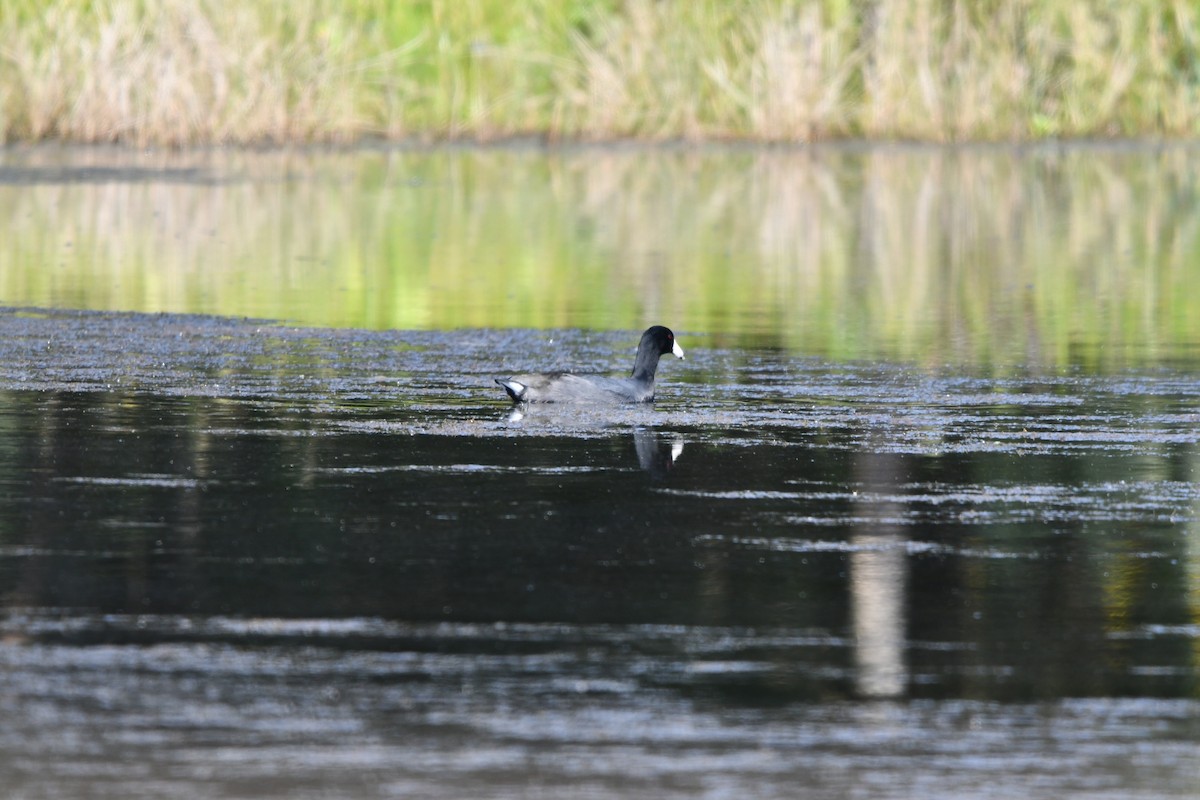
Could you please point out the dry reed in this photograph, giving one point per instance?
(213, 71)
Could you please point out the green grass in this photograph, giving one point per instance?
(214, 71)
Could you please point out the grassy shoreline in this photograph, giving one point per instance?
(220, 72)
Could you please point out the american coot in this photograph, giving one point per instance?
(564, 387)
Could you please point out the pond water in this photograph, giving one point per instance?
(876, 552)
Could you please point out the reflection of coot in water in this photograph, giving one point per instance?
(565, 387)
(655, 454)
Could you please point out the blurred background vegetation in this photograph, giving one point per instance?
(1035, 254)
(225, 71)
(994, 256)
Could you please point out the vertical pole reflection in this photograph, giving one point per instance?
(877, 583)
(879, 580)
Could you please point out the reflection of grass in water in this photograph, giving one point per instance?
(215, 70)
(975, 256)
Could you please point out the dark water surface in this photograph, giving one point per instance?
(245, 560)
